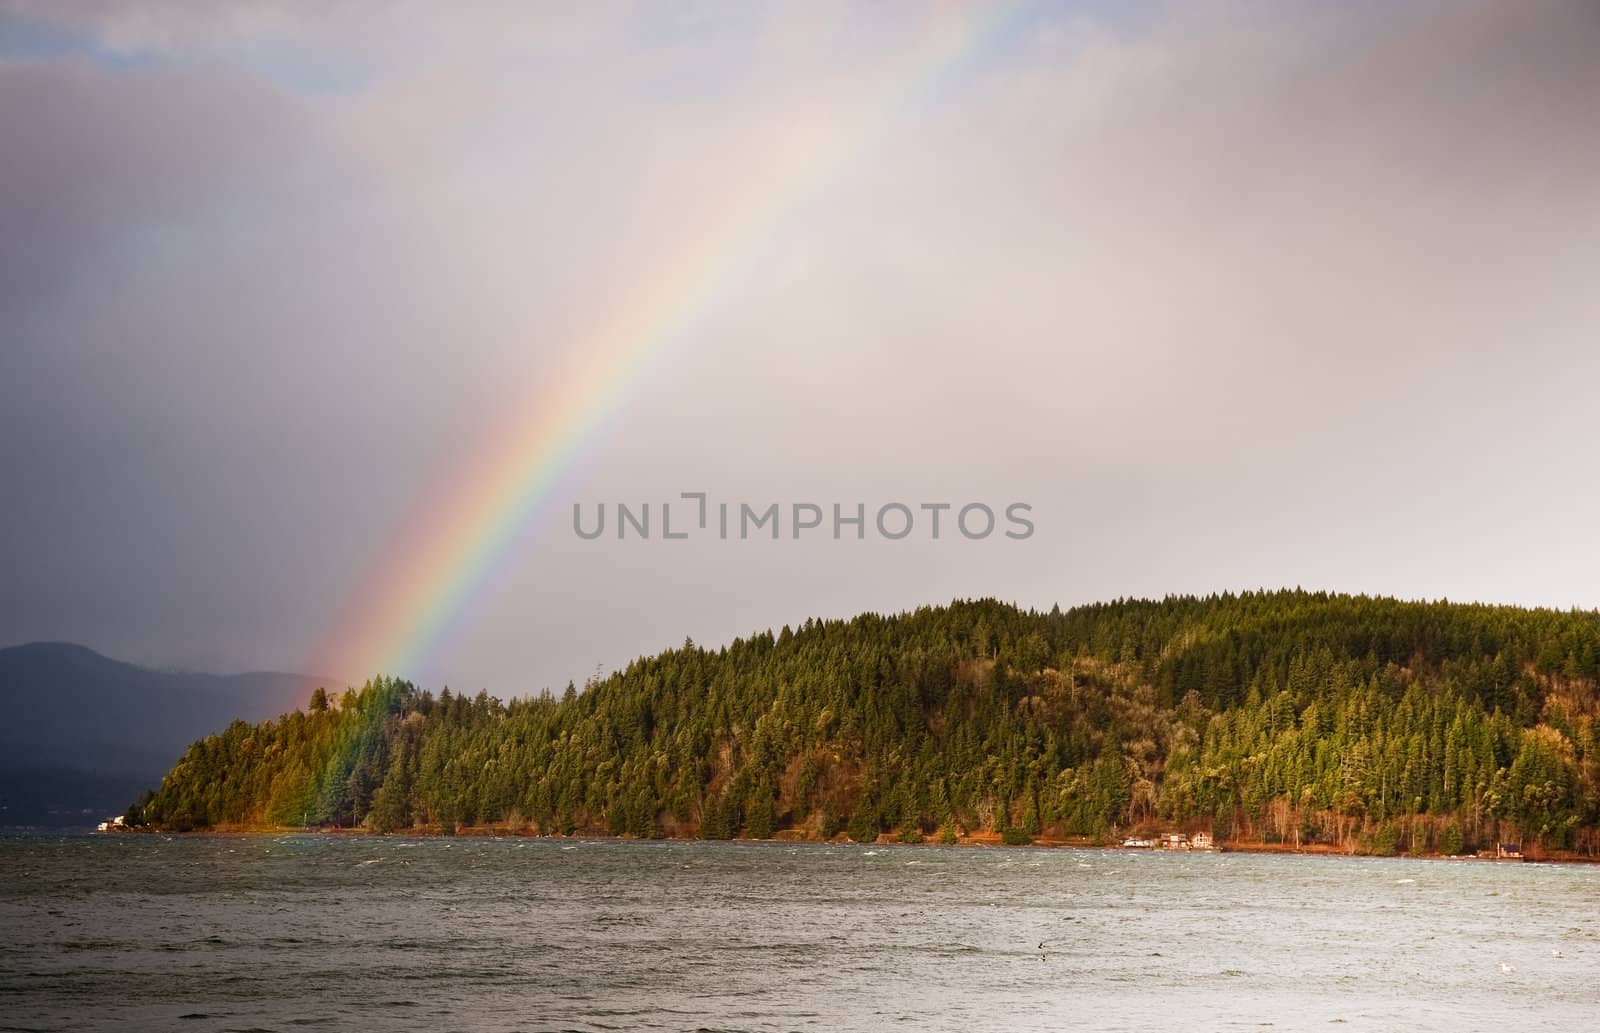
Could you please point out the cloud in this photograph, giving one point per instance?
(1236, 294)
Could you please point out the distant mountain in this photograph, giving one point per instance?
(83, 732)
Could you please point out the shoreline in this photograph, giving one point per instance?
(798, 836)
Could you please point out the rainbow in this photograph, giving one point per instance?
(426, 575)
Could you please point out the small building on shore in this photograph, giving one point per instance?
(111, 824)
(1508, 851)
(1201, 841)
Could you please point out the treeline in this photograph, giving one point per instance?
(1280, 717)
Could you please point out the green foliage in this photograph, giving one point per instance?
(1451, 840)
(718, 820)
(947, 835)
(831, 824)
(1288, 715)
(1015, 837)
(760, 822)
(1030, 816)
(1386, 841)
(863, 826)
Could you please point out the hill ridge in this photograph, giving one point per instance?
(1286, 716)
(86, 730)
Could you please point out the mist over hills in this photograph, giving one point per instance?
(83, 730)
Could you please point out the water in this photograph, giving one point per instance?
(323, 933)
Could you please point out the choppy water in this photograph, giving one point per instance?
(310, 932)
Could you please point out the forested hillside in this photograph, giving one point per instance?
(1287, 717)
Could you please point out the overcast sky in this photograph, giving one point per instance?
(1233, 295)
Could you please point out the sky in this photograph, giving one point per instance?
(1230, 295)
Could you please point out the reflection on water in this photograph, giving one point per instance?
(297, 932)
